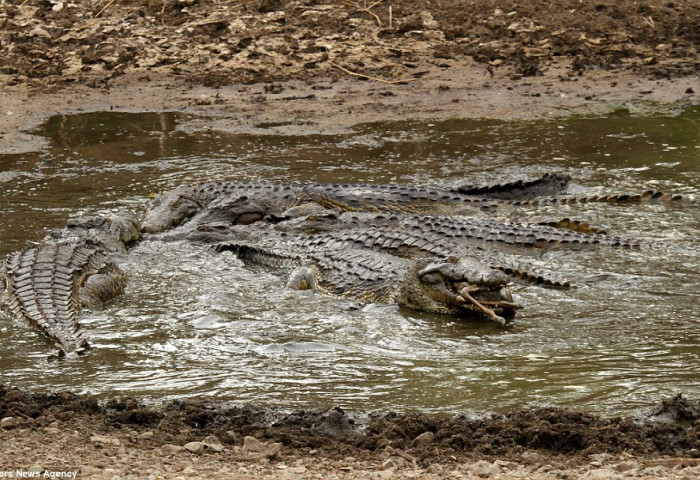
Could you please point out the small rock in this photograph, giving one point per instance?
(194, 447)
(482, 468)
(39, 32)
(436, 469)
(424, 439)
(146, 435)
(35, 470)
(625, 466)
(530, 456)
(601, 457)
(385, 474)
(252, 444)
(212, 443)
(169, 448)
(8, 422)
(655, 471)
(255, 449)
(603, 474)
(387, 464)
(104, 440)
(298, 470)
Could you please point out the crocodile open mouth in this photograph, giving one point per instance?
(494, 303)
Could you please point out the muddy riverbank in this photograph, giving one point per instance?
(321, 67)
(63, 432)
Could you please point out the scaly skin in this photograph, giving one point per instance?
(240, 202)
(47, 285)
(426, 285)
(172, 209)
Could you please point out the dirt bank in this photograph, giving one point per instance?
(63, 432)
(321, 66)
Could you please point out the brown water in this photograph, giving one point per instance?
(197, 323)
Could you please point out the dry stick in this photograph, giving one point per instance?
(366, 9)
(388, 82)
(162, 12)
(485, 310)
(104, 8)
(22, 4)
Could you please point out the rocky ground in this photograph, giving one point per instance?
(63, 432)
(321, 66)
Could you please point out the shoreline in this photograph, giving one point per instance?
(125, 438)
(329, 106)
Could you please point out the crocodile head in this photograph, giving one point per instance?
(168, 210)
(462, 287)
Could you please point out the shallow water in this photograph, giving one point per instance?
(197, 323)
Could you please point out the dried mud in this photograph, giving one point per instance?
(319, 67)
(222, 43)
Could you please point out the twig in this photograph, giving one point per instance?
(368, 77)
(162, 12)
(22, 4)
(366, 9)
(104, 8)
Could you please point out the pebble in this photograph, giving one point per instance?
(530, 456)
(8, 422)
(387, 464)
(169, 448)
(625, 466)
(483, 468)
(424, 439)
(254, 448)
(603, 474)
(212, 443)
(436, 469)
(104, 440)
(194, 447)
(146, 435)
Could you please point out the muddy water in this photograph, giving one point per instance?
(197, 323)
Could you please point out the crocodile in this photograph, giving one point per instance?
(48, 284)
(454, 286)
(246, 203)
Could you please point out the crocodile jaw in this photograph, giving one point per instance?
(168, 211)
(462, 287)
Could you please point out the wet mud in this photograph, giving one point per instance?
(669, 429)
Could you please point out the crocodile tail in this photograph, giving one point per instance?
(648, 196)
(43, 288)
(547, 184)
